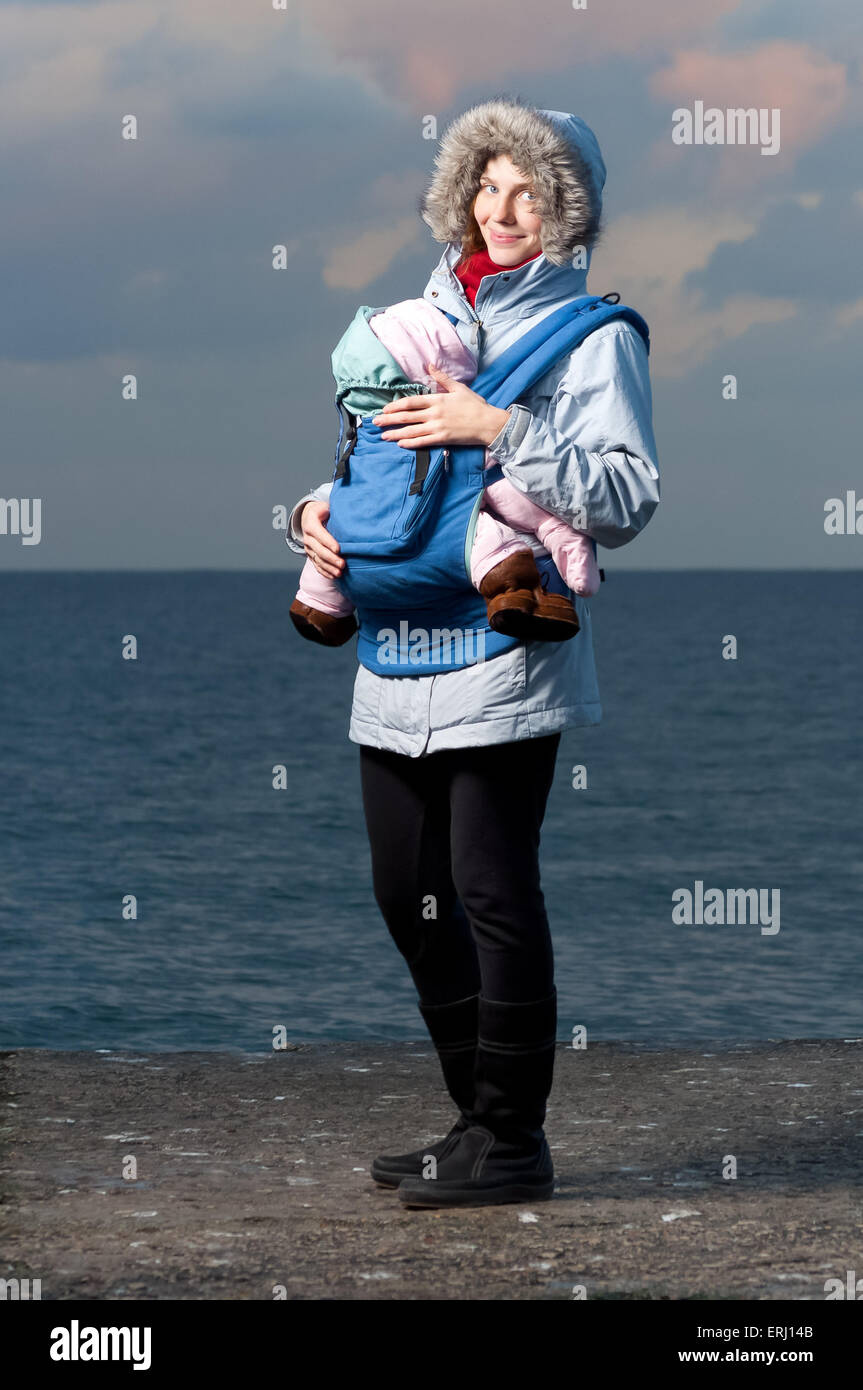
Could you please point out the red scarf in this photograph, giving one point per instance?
(471, 272)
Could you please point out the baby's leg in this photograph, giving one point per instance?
(321, 593)
(504, 571)
(493, 542)
(573, 554)
(320, 612)
(571, 550)
(514, 507)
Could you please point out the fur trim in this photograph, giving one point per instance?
(569, 204)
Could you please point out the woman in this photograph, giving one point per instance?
(456, 767)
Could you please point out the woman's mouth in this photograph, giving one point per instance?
(503, 238)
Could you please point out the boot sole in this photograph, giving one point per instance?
(390, 1180)
(552, 629)
(528, 627)
(493, 1196)
(513, 622)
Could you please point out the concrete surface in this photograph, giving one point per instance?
(252, 1173)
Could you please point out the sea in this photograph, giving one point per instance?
(183, 860)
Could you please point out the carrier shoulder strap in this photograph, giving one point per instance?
(347, 440)
(535, 352)
(532, 355)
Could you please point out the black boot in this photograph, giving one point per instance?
(453, 1029)
(502, 1156)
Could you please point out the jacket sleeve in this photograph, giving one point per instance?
(294, 533)
(587, 453)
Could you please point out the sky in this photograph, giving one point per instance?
(306, 126)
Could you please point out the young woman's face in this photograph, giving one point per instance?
(504, 210)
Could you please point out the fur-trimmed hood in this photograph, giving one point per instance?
(559, 152)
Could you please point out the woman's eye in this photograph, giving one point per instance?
(493, 188)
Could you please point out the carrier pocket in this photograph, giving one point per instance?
(430, 488)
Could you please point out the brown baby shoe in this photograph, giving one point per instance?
(518, 605)
(554, 618)
(326, 628)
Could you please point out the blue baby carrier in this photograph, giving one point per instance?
(405, 519)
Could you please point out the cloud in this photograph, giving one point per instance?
(801, 249)
(56, 58)
(809, 89)
(67, 66)
(426, 56)
(648, 257)
(365, 259)
(849, 313)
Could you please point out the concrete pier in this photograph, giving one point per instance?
(236, 1176)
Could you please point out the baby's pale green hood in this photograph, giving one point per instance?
(367, 375)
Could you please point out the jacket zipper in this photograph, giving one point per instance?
(459, 289)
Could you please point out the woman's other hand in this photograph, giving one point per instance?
(455, 415)
(321, 548)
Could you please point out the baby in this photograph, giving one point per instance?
(503, 568)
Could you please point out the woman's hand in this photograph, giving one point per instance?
(321, 548)
(456, 415)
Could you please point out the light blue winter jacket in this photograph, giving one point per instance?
(581, 444)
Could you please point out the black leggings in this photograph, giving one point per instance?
(455, 863)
